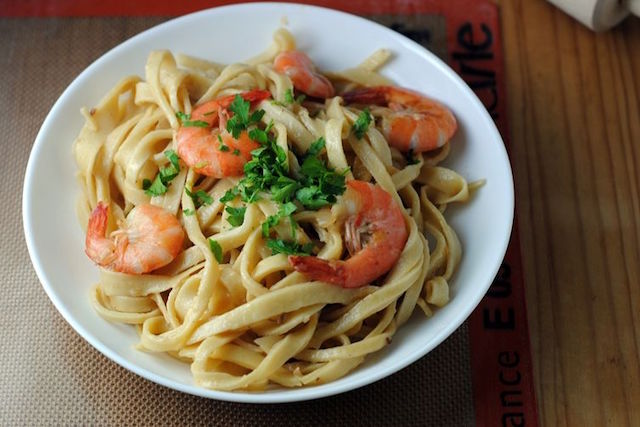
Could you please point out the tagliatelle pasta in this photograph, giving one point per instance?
(230, 301)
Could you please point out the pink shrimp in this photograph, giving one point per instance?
(211, 150)
(375, 234)
(303, 74)
(411, 121)
(148, 239)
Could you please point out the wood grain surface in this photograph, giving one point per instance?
(574, 113)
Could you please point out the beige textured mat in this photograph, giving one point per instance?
(49, 375)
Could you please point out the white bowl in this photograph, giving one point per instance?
(234, 33)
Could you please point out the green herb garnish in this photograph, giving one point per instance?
(185, 120)
(165, 175)
(286, 210)
(288, 96)
(316, 147)
(362, 123)
(188, 212)
(216, 249)
(155, 188)
(268, 172)
(236, 215)
(199, 198)
(289, 99)
(320, 185)
(287, 247)
(222, 146)
(229, 195)
(236, 152)
(173, 158)
(241, 119)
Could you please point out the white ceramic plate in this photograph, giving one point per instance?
(56, 242)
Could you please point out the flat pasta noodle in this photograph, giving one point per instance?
(227, 304)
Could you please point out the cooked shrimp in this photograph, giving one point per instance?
(411, 121)
(303, 74)
(148, 239)
(211, 150)
(375, 234)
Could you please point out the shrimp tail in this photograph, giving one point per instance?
(319, 269)
(98, 247)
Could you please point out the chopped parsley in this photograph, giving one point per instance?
(287, 247)
(286, 210)
(173, 158)
(316, 147)
(216, 249)
(229, 195)
(319, 185)
(188, 212)
(236, 215)
(199, 198)
(289, 99)
(236, 152)
(185, 120)
(165, 175)
(241, 119)
(267, 172)
(222, 146)
(362, 123)
(263, 172)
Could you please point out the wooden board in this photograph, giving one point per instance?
(574, 115)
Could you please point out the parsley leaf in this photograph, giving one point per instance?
(279, 246)
(165, 175)
(229, 195)
(320, 185)
(188, 212)
(222, 146)
(199, 198)
(312, 167)
(283, 189)
(241, 119)
(216, 249)
(236, 152)
(288, 97)
(316, 147)
(236, 215)
(362, 123)
(156, 188)
(271, 221)
(185, 120)
(259, 135)
(173, 158)
(286, 210)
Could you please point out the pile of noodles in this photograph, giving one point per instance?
(251, 321)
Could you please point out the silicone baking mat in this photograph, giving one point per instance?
(481, 375)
